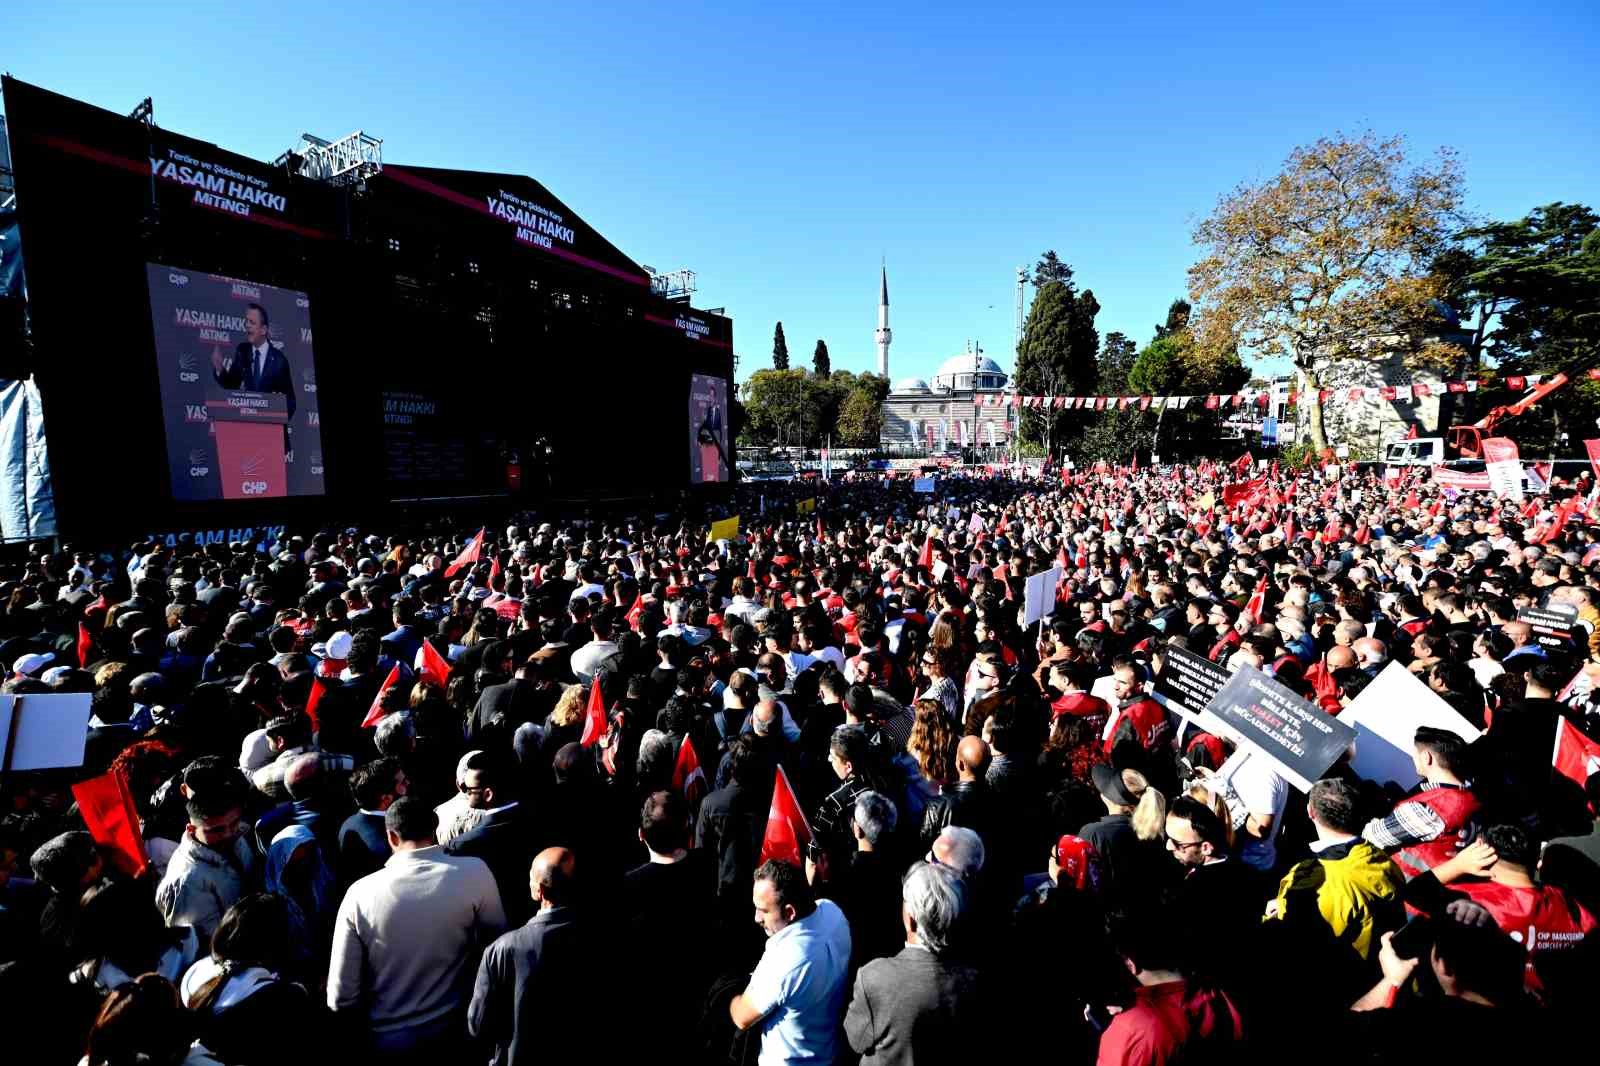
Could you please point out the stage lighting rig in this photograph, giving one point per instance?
(350, 160)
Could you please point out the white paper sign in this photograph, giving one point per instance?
(1386, 716)
(50, 732)
(1039, 596)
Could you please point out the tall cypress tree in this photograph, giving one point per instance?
(819, 360)
(780, 349)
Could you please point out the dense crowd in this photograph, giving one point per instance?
(501, 798)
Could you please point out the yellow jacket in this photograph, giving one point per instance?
(1354, 886)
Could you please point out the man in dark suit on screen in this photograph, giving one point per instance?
(255, 366)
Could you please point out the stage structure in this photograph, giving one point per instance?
(224, 342)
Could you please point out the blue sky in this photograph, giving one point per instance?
(781, 154)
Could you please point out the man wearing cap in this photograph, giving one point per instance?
(31, 665)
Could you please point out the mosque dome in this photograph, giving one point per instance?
(963, 372)
(911, 385)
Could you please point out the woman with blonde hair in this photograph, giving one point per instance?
(564, 724)
(1132, 837)
(1218, 805)
(933, 744)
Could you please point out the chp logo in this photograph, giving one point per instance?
(316, 464)
(197, 463)
(188, 369)
(301, 302)
(175, 278)
(250, 470)
(308, 380)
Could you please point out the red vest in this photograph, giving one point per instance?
(1540, 918)
(1082, 705)
(1149, 720)
(1456, 806)
(1224, 647)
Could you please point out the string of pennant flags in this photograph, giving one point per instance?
(1262, 397)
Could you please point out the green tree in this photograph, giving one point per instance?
(1051, 268)
(819, 359)
(780, 407)
(1529, 292)
(1117, 354)
(1177, 318)
(860, 420)
(780, 349)
(1059, 344)
(1330, 259)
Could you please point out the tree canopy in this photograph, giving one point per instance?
(819, 359)
(1327, 258)
(793, 407)
(780, 349)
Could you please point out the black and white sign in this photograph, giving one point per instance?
(1301, 740)
(1553, 625)
(1187, 685)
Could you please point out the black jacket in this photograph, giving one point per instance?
(507, 839)
(732, 821)
(969, 804)
(521, 1001)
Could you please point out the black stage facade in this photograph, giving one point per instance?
(222, 343)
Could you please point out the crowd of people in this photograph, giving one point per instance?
(496, 798)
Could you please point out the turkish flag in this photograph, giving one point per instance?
(687, 776)
(111, 818)
(1412, 501)
(435, 667)
(594, 716)
(1516, 382)
(1325, 687)
(468, 556)
(376, 712)
(494, 569)
(1242, 464)
(1258, 601)
(85, 644)
(1576, 756)
(787, 831)
(1288, 530)
(925, 560)
(1564, 512)
(1411, 434)
(319, 688)
(1363, 534)
(1332, 532)
(637, 610)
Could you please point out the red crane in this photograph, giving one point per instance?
(1468, 440)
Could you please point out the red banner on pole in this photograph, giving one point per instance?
(1594, 456)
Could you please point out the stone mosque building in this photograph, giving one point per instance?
(953, 410)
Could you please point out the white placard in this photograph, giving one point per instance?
(1386, 716)
(51, 732)
(1039, 596)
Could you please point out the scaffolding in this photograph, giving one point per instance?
(350, 160)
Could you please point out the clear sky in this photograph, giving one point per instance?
(781, 153)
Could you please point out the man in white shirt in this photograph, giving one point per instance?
(587, 659)
(1258, 794)
(797, 991)
(407, 939)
